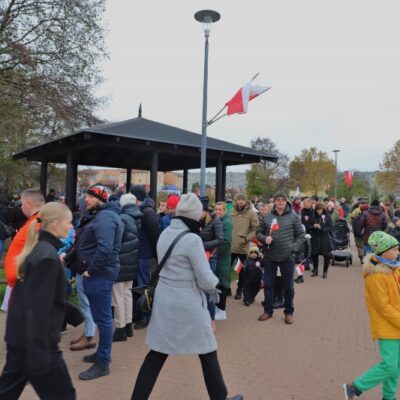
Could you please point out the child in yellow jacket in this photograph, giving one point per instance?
(381, 272)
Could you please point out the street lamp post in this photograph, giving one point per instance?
(206, 17)
(336, 152)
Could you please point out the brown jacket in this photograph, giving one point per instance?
(245, 223)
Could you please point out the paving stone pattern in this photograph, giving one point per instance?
(328, 344)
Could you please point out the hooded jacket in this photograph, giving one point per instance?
(150, 230)
(100, 245)
(131, 218)
(374, 219)
(245, 224)
(287, 239)
(382, 294)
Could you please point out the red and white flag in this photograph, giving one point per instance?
(274, 226)
(349, 178)
(300, 269)
(238, 266)
(240, 101)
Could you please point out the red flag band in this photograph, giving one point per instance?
(348, 176)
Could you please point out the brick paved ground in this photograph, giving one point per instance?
(328, 344)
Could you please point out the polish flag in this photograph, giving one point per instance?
(238, 266)
(239, 103)
(274, 226)
(349, 178)
(300, 269)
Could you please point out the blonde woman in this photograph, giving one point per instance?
(37, 311)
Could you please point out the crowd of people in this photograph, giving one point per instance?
(115, 246)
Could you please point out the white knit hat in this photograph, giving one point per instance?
(189, 206)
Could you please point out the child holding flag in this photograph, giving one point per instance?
(381, 272)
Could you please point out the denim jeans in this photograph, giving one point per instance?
(367, 249)
(98, 290)
(1, 247)
(90, 326)
(210, 304)
(287, 272)
(143, 278)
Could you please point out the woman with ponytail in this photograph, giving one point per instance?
(36, 312)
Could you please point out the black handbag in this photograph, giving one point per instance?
(145, 302)
(7, 229)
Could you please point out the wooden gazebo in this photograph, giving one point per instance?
(143, 144)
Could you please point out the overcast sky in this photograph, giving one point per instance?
(334, 69)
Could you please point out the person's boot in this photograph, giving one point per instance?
(237, 397)
(239, 293)
(142, 324)
(98, 369)
(129, 330)
(361, 260)
(299, 279)
(315, 272)
(78, 339)
(86, 342)
(120, 335)
(325, 274)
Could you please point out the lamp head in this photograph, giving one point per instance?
(207, 17)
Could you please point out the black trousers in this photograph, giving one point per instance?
(222, 298)
(315, 262)
(153, 363)
(242, 258)
(54, 385)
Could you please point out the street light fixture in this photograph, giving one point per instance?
(336, 152)
(206, 17)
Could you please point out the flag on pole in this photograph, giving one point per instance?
(274, 226)
(349, 178)
(300, 269)
(240, 101)
(238, 266)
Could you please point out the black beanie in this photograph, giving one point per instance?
(139, 191)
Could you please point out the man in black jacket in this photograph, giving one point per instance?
(150, 231)
(282, 235)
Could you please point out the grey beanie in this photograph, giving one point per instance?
(190, 207)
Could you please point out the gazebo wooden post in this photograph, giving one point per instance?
(71, 181)
(153, 175)
(128, 179)
(219, 192)
(43, 176)
(185, 181)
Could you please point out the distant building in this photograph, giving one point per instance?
(234, 180)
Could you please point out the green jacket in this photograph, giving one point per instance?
(224, 253)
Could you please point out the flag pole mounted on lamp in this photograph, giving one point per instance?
(206, 17)
(336, 153)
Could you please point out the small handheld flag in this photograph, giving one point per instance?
(300, 269)
(238, 266)
(274, 226)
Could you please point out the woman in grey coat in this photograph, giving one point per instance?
(180, 322)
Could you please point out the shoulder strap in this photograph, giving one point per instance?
(167, 254)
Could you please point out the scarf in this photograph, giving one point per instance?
(194, 226)
(389, 263)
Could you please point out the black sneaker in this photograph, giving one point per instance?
(90, 358)
(299, 279)
(238, 294)
(98, 369)
(142, 324)
(350, 392)
(120, 335)
(237, 397)
(129, 330)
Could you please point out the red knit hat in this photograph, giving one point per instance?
(172, 201)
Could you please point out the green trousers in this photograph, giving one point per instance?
(386, 372)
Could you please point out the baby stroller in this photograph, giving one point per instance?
(340, 241)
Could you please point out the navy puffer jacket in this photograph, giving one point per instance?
(100, 246)
(131, 217)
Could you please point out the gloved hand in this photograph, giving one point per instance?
(214, 295)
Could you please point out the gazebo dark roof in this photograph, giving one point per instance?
(128, 144)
